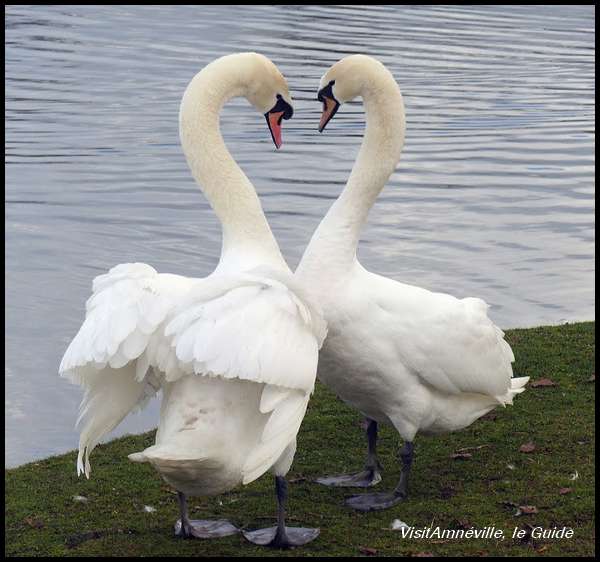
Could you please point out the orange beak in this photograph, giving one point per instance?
(330, 107)
(274, 120)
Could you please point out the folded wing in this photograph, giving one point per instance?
(450, 343)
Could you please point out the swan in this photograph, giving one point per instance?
(421, 361)
(235, 353)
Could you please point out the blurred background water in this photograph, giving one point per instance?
(493, 197)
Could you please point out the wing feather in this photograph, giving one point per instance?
(450, 343)
(252, 327)
(108, 356)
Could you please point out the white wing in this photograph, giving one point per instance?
(450, 343)
(107, 356)
(253, 327)
(246, 326)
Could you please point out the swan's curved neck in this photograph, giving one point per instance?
(333, 245)
(247, 237)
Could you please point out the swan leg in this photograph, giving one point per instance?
(383, 500)
(196, 528)
(281, 536)
(371, 474)
(406, 455)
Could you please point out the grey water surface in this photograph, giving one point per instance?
(493, 197)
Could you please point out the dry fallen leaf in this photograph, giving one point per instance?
(542, 382)
(461, 456)
(527, 447)
(367, 550)
(564, 491)
(592, 378)
(34, 522)
(465, 449)
(526, 510)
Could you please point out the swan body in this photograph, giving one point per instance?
(235, 354)
(241, 416)
(439, 345)
(418, 360)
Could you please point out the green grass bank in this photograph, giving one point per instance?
(497, 485)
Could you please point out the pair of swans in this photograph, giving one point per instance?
(236, 353)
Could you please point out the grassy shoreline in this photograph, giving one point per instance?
(42, 518)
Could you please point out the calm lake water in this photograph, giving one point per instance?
(493, 197)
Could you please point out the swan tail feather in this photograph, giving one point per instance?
(517, 385)
(279, 433)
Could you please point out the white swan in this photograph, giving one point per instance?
(420, 361)
(235, 353)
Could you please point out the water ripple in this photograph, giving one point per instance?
(493, 197)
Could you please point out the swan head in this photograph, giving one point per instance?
(249, 75)
(267, 90)
(345, 80)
